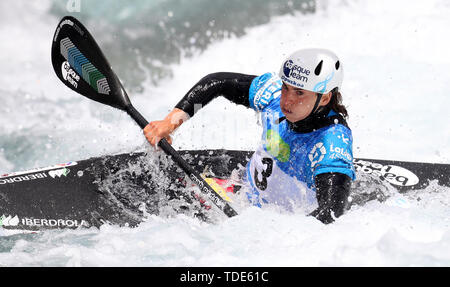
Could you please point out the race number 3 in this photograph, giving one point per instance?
(262, 184)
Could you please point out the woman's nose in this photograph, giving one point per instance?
(289, 99)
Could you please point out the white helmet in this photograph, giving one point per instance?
(316, 70)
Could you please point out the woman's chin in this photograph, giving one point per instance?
(293, 118)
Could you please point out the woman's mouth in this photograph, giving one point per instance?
(285, 111)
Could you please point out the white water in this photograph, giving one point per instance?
(395, 57)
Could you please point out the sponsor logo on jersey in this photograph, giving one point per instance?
(269, 91)
(339, 152)
(344, 139)
(395, 175)
(317, 154)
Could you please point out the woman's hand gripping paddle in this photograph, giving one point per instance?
(80, 64)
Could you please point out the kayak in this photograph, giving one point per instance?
(126, 189)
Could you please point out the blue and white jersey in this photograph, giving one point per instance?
(283, 168)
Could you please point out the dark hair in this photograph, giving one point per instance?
(336, 103)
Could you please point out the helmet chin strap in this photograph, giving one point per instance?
(316, 105)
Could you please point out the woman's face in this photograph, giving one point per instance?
(297, 104)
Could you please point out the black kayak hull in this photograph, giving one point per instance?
(122, 189)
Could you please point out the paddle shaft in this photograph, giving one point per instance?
(176, 157)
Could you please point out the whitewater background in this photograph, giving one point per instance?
(396, 63)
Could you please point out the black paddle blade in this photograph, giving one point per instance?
(80, 64)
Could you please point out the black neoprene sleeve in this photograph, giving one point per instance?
(233, 86)
(332, 191)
